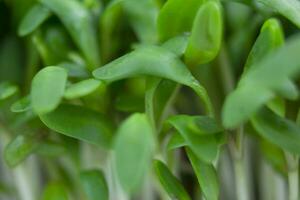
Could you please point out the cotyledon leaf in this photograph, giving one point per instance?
(82, 88)
(47, 89)
(260, 85)
(79, 23)
(206, 35)
(277, 130)
(134, 147)
(94, 185)
(33, 19)
(152, 61)
(288, 8)
(202, 135)
(80, 123)
(270, 38)
(170, 183)
(181, 13)
(160, 92)
(21, 105)
(206, 175)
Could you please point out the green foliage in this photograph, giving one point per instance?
(94, 185)
(257, 87)
(202, 135)
(206, 34)
(134, 147)
(170, 182)
(47, 89)
(79, 23)
(34, 18)
(80, 123)
(81, 89)
(19, 148)
(181, 13)
(205, 172)
(139, 99)
(277, 130)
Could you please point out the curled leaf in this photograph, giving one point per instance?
(205, 39)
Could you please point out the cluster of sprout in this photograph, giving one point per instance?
(149, 99)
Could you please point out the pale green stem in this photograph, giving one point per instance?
(293, 175)
(241, 179)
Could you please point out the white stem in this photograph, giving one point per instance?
(293, 175)
(241, 180)
(293, 180)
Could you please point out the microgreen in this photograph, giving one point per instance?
(149, 99)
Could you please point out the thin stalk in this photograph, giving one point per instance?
(293, 175)
(241, 179)
(235, 143)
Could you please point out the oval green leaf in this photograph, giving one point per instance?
(270, 38)
(33, 19)
(47, 89)
(21, 105)
(80, 123)
(206, 36)
(134, 148)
